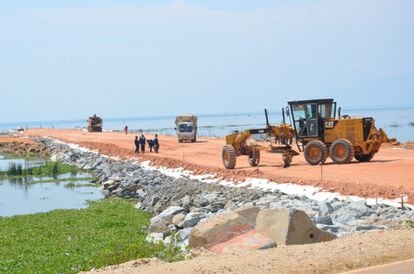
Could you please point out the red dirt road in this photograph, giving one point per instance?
(388, 175)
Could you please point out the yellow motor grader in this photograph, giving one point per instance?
(317, 132)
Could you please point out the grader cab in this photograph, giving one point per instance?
(320, 134)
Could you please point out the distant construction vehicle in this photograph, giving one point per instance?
(95, 124)
(317, 132)
(186, 128)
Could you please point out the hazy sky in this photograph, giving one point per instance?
(70, 59)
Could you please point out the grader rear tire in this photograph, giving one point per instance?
(341, 151)
(254, 157)
(364, 157)
(315, 152)
(228, 156)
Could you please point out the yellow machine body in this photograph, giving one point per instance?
(240, 143)
(320, 134)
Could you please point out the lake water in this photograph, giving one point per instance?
(395, 121)
(26, 197)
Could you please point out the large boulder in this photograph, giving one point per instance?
(249, 212)
(251, 228)
(219, 229)
(161, 222)
(289, 226)
(192, 218)
(251, 240)
(168, 214)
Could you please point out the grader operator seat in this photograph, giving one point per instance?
(309, 117)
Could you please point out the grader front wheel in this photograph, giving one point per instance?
(228, 156)
(254, 157)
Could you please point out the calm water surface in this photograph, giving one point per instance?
(19, 197)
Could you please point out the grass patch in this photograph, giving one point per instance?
(109, 232)
(48, 169)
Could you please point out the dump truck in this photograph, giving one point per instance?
(317, 132)
(186, 128)
(95, 124)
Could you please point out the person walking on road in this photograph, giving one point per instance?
(136, 142)
(142, 142)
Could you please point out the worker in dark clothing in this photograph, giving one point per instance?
(150, 144)
(321, 127)
(142, 142)
(136, 142)
(156, 143)
(126, 129)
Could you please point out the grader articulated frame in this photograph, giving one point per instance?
(239, 143)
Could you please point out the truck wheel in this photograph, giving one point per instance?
(364, 157)
(228, 156)
(254, 157)
(315, 152)
(341, 151)
(180, 140)
(194, 140)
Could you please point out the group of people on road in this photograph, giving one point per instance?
(152, 143)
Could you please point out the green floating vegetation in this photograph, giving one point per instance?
(109, 232)
(49, 169)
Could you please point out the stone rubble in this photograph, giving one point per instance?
(178, 204)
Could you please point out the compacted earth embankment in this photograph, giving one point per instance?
(192, 200)
(388, 175)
